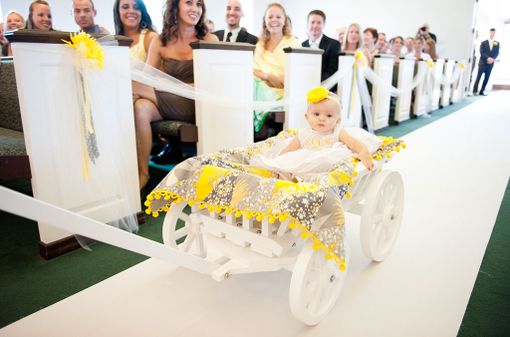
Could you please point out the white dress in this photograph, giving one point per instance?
(319, 153)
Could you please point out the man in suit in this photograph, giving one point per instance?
(489, 51)
(316, 39)
(234, 32)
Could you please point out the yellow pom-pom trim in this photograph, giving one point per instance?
(317, 94)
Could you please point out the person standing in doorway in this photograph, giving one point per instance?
(489, 51)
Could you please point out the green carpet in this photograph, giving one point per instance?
(488, 311)
(29, 283)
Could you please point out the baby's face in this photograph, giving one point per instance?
(323, 116)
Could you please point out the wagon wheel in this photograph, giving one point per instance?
(183, 234)
(315, 286)
(382, 215)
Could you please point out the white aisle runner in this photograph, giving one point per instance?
(455, 172)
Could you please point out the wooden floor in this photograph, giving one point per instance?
(455, 172)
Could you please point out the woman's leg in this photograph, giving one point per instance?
(145, 113)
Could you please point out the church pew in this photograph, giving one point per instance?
(405, 80)
(437, 73)
(48, 87)
(302, 73)
(14, 162)
(349, 94)
(383, 67)
(446, 91)
(458, 91)
(421, 97)
(223, 70)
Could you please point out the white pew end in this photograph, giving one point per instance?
(446, 92)
(436, 84)
(223, 70)
(51, 114)
(348, 91)
(421, 98)
(459, 86)
(405, 80)
(302, 73)
(381, 97)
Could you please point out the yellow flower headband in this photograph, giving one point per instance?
(319, 94)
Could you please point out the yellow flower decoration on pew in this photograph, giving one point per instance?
(462, 65)
(430, 63)
(87, 47)
(317, 94)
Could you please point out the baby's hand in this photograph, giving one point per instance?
(364, 156)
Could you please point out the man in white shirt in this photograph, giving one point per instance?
(234, 31)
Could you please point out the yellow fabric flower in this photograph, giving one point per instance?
(317, 94)
(87, 47)
(430, 63)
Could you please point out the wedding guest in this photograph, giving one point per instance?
(340, 31)
(132, 20)
(210, 25)
(317, 39)
(14, 20)
(396, 44)
(370, 36)
(418, 53)
(84, 14)
(183, 23)
(430, 48)
(234, 31)
(381, 44)
(269, 59)
(353, 40)
(39, 16)
(409, 44)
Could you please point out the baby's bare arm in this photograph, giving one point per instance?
(293, 146)
(357, 147)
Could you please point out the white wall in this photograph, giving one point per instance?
(450, 20)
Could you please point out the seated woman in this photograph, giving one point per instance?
(183, 23)
(321, 147)
(132, 20)
(353, 41)
(39, 16)
(369, 39)
(14, 20)
(269, 59)
(430, 48)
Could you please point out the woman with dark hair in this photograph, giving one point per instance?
(132, 20)
(39, 16)
(183, 23)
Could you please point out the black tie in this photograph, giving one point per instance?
(229, 35)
